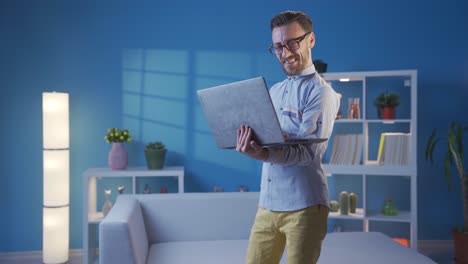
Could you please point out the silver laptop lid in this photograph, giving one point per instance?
(246, 102)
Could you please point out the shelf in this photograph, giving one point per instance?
(92, 217)
(373, 121)
(370, 169)
(403, 216)
(388, 121)
(95, 218)
(347, 121)
(135, 171)
(359, 215)
(359, 76)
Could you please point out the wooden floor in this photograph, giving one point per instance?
(440, 253)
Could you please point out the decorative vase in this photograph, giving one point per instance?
(353, 199)
(389, 208)
(387, 112)
(107, 204)
(344, 203)
(243, 188)
(118, 157)
(334, 206)
(353, 108)
(155, 158)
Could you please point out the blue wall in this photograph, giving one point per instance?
(99, 51)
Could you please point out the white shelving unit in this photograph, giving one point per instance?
(370, 168)
(92, 217)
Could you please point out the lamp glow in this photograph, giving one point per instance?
(55, 120)
(344, 80)
(55, 239)
(56, 170)
(56, 182)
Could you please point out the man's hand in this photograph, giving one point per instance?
(249, 147)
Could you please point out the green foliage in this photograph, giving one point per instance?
(156, 145)
(387, 100)
(116, 135)
(454, 151)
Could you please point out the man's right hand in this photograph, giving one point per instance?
(249, 147)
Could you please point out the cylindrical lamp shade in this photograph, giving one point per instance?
(55, 120)
(56, 177)
(55, 234)
(56, 173)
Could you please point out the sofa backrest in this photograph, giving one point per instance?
(198, 216)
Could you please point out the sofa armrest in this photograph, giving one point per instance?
(122, 233)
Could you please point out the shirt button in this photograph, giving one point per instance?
(281, 108)
(286, 91)
(269, 180)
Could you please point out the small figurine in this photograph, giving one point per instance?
(121, 189)
(147, 189)
(243, 188)
(163, 190)
(107, 204)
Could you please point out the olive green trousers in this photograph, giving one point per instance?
(302, 232)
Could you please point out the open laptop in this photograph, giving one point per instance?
(246, 102)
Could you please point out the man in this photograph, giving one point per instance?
(294, 203)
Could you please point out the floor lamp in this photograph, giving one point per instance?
(56, 170)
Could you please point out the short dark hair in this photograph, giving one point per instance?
(288, 17)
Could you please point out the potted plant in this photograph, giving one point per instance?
(386, 104)
(320, 66)
(155, 153)
(454, 154)
(118, 157)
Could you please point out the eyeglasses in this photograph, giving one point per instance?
(291, 45)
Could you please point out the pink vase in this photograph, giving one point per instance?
(118, 157)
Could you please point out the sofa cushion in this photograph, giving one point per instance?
(198, 216)
(199, 252)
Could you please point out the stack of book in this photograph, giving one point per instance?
(394, 149)
(347, 149)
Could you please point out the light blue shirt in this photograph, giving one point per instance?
(292, 176)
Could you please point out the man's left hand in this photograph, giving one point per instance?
(249, 147)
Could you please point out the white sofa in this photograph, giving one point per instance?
(213, 228)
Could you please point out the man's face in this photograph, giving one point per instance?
(293, 62)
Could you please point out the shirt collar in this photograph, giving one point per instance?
(307, 71)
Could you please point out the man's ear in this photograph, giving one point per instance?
(311, 40)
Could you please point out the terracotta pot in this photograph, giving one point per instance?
(461, 245)
(388, 112)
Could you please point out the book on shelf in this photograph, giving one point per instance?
(346, 149)
(394, 149)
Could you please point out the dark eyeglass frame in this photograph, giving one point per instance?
(297, 41)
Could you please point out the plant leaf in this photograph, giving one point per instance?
(429, 146)
(452, 141)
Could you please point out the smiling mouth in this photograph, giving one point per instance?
(289, 61)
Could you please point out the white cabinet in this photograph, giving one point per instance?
(374, 180)
(92, 216)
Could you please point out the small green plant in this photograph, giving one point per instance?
(453, 154)
(387, 100)
(155, 145)
(116, 135)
